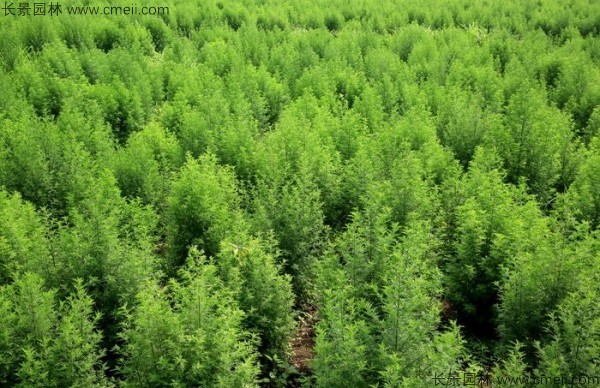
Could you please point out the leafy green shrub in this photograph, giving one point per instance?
(75, 32)
(189, 333)
(106, 35)
(107, 241)
(293, 213)
(573, 348)
(203, 208)
(23, 239)
(45, 343)
(159, 32)
(584, 194)
(263, 292)
(144, 166)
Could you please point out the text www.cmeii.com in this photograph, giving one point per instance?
(55, 9)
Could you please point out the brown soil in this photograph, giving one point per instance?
(448, 312)
(303, 342)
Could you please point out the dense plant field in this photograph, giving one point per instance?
(303, 193)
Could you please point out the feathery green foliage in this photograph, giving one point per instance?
(308, 193)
